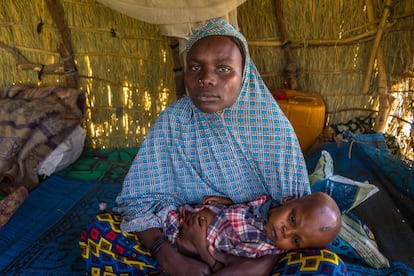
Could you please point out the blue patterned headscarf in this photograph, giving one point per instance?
(247, 151)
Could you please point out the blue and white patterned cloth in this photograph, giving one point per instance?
(247, 151)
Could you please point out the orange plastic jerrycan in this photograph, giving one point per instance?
(306, 113)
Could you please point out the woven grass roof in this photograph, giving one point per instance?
(126, 67)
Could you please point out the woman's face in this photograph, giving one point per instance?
(214, 73)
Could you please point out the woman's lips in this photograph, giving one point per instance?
(207, 97)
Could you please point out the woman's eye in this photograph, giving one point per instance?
(194, 68)
(224, 69)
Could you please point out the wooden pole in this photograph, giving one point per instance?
(385, 100)
(290, 67)
(377, 41)
(65, 48)
(24, 64)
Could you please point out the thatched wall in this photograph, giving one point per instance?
(126, 67)
(332, 42)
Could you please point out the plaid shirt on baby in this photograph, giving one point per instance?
(237, 229)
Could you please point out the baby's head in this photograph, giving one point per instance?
(311, 221)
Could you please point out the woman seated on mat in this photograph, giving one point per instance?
(254, 229)
(228, 138)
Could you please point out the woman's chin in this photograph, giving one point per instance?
(209, 108)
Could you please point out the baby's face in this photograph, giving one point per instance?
(301, 224)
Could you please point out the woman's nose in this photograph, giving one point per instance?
(207, 78)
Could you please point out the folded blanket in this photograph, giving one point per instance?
(33, 122)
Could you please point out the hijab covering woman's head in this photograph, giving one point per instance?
(219, 26)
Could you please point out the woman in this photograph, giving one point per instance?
(228, 138)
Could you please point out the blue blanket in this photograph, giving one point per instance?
(42, 236)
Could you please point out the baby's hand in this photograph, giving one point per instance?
(217, 199)
(194, 229)
(193, 237)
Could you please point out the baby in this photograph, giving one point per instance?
(257, 228)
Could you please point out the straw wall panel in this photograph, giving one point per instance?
(124, 65)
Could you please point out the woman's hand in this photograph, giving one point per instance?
(234, 265)
(176, 264)
(172, 262)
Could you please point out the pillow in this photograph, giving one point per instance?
(324, 168)
(65, 154)
(356, 241)
(346, 192)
